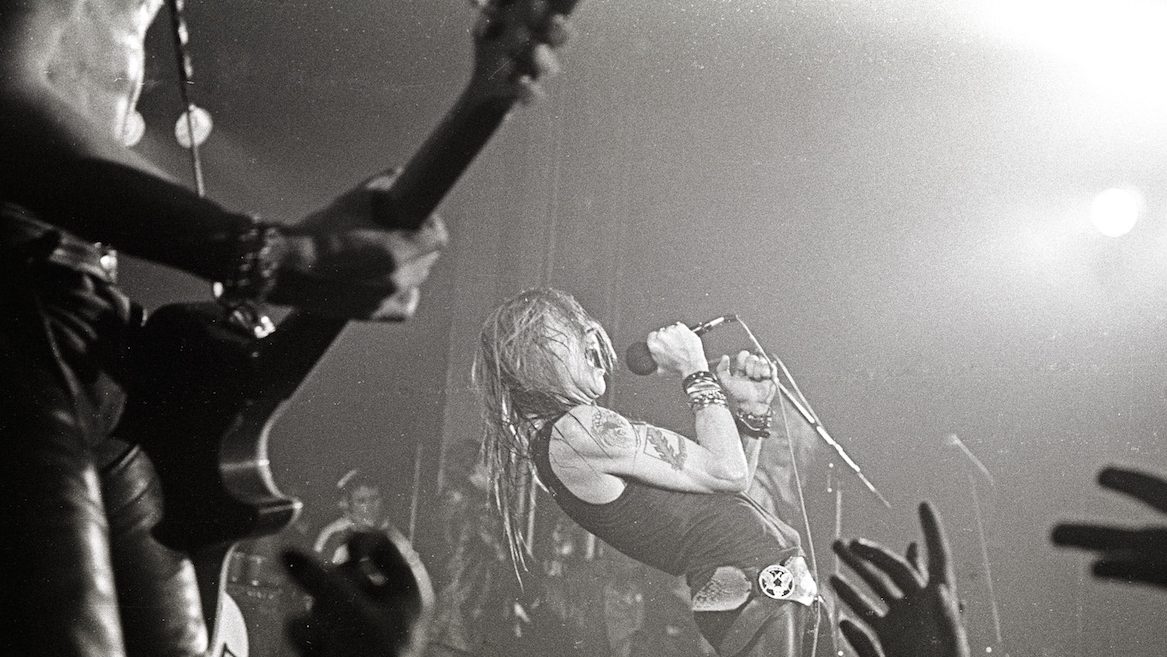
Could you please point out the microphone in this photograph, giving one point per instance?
(954, 441)
(640, 360)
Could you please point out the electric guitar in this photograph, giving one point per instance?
(206, 390)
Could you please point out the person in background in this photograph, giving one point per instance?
(361, 507)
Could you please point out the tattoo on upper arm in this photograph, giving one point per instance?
(612, 430)
(658, 444)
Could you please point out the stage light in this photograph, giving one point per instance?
(199, 126)
(1115, 211)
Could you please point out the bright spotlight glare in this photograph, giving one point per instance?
(1115, 211)
(1116, 43)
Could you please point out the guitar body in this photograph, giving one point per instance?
(196, 408)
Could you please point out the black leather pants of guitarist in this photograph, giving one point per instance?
(80, 573)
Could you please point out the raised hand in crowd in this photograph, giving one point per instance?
(917, 613)
(376, 604)
(1124, 553)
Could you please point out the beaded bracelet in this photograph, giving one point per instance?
(702, 387)
(256, 261)
(700, 400)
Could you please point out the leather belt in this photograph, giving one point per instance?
(29, 239)
(731, 586)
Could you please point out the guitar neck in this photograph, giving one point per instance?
(442, 159)
(290, 353)
(451, 147)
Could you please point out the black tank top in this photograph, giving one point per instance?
(677, 532)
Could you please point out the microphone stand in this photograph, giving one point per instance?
(808, 416)
(834, 484)
(835, 488)
(822, 432)
(802, 407)
(984, 545)
(954, 441)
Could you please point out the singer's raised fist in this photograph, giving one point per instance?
(747, 380)
(677, 349)
(752, 366)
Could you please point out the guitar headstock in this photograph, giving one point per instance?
(515, 42)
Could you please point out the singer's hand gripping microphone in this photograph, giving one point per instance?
(639, 359)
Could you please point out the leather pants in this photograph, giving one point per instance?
(80, 573)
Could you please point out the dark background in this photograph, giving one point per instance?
(893, 195)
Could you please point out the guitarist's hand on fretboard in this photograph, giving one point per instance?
(376, 604)
(365, 255)
(348, 267)
(515, 46)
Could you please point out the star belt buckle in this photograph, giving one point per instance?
(776, 581)
(788, 581)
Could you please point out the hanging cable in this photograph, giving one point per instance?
(181, 38)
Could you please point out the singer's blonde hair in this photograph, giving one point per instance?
(522, 385)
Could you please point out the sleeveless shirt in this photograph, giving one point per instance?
(674, 531)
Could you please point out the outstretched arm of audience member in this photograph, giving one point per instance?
(1124, 553)
(377, 604)
(919, 615)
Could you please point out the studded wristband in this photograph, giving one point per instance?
(257, 256)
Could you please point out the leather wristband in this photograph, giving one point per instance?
(755, 426)
(258, 249)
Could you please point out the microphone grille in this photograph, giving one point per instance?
(639, 359)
